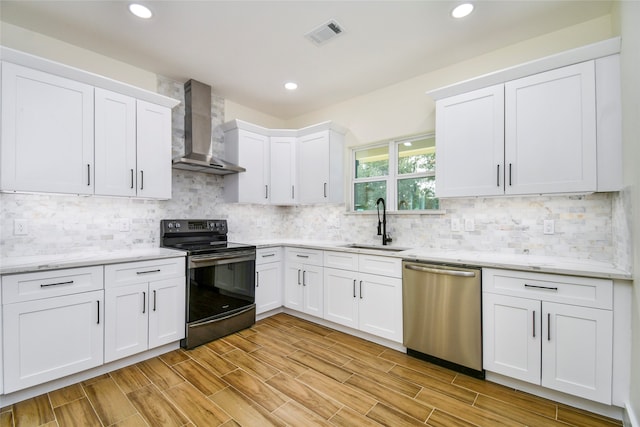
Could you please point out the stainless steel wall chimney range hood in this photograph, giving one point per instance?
(197, 138)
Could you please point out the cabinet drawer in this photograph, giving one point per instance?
(267, 255)
(341, 260)
(382, 265)
(306, 256)
(46, 284)
(143, 271)
(583, 291)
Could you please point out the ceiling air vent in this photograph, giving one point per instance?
(325, 32)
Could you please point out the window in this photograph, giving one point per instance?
(402, 172)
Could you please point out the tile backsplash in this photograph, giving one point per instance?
(592, 226)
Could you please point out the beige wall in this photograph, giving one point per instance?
(627, 19)
(46, 47)
(233, 110)
(405, 109)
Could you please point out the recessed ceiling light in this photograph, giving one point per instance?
(462, 10)
(140, 11)
(291, 86)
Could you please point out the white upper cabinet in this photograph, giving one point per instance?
(470, 143)
(283, 170)
(153, 149)
(115, 143)
(251, 151)
(47, 132)
(544, 127)
(68, 131)
(284, 166)
(320, 164)
(550, 132)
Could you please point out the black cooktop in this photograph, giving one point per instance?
(200, 236)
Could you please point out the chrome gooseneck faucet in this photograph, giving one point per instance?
(382, 232)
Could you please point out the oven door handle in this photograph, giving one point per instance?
(208, 260)
(207, 322)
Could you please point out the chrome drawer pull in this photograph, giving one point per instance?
(302, 256)
(56, 284)
(148, 271)
(540, 287)
(268, 255)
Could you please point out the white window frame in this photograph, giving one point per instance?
(391, 198)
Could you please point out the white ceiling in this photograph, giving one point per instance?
(247, 50)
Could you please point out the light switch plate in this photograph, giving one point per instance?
(469, 224)
(455, 224)
(549, 226)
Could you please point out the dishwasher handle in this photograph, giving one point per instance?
(458, 273)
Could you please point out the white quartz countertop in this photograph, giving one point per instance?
(487, 259)
(542, 264)
(26, 264)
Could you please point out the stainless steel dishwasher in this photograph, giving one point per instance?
(442, 315)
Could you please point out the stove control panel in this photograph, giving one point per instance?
(211, 226)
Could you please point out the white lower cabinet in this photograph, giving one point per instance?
(145, 306)
(52, 325)
(268, 279)
(551, 330)
(303, 281)
(371, 303)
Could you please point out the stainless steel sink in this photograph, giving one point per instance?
(375, 247)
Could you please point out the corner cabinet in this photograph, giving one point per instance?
(145, 306)
(63, 131)
(285, 166)
(52, 325)
(551, 330)
(533, 135)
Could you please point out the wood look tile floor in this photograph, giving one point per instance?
(287, 371)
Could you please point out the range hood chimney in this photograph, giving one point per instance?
(197, 138)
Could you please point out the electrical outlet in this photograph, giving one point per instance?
(455, 224)
(549, 226)
(469, 224)
(124, 225)
(20, 227)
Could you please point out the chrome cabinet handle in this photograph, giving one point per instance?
(354, 288)
(266, 191)
(148, 271)
(298, 277)
(131, 178)
(46, 285)
(302, 256)
(498, 177)
(548, 326)
(360, 289)
(293, 192)
(98, 322)
(304, 278)
(267, 255)
(142, 180)
(88, 174)
(257, 279)
(154, 300)
(510, 167)
(144, 302)
(325, 189)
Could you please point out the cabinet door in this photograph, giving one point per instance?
(251, 151)
(47, 132)
(550, 131)
(380, 311)
(167, 311)
(125, 321)
(577, 350)
(153, 150)
(312, 283)
(313, 164)
(511, 336)
(293, 290)
(470, 144)
(115, 144)
(340, 297)
(282, 170)
(268, 287)
(52, 338)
